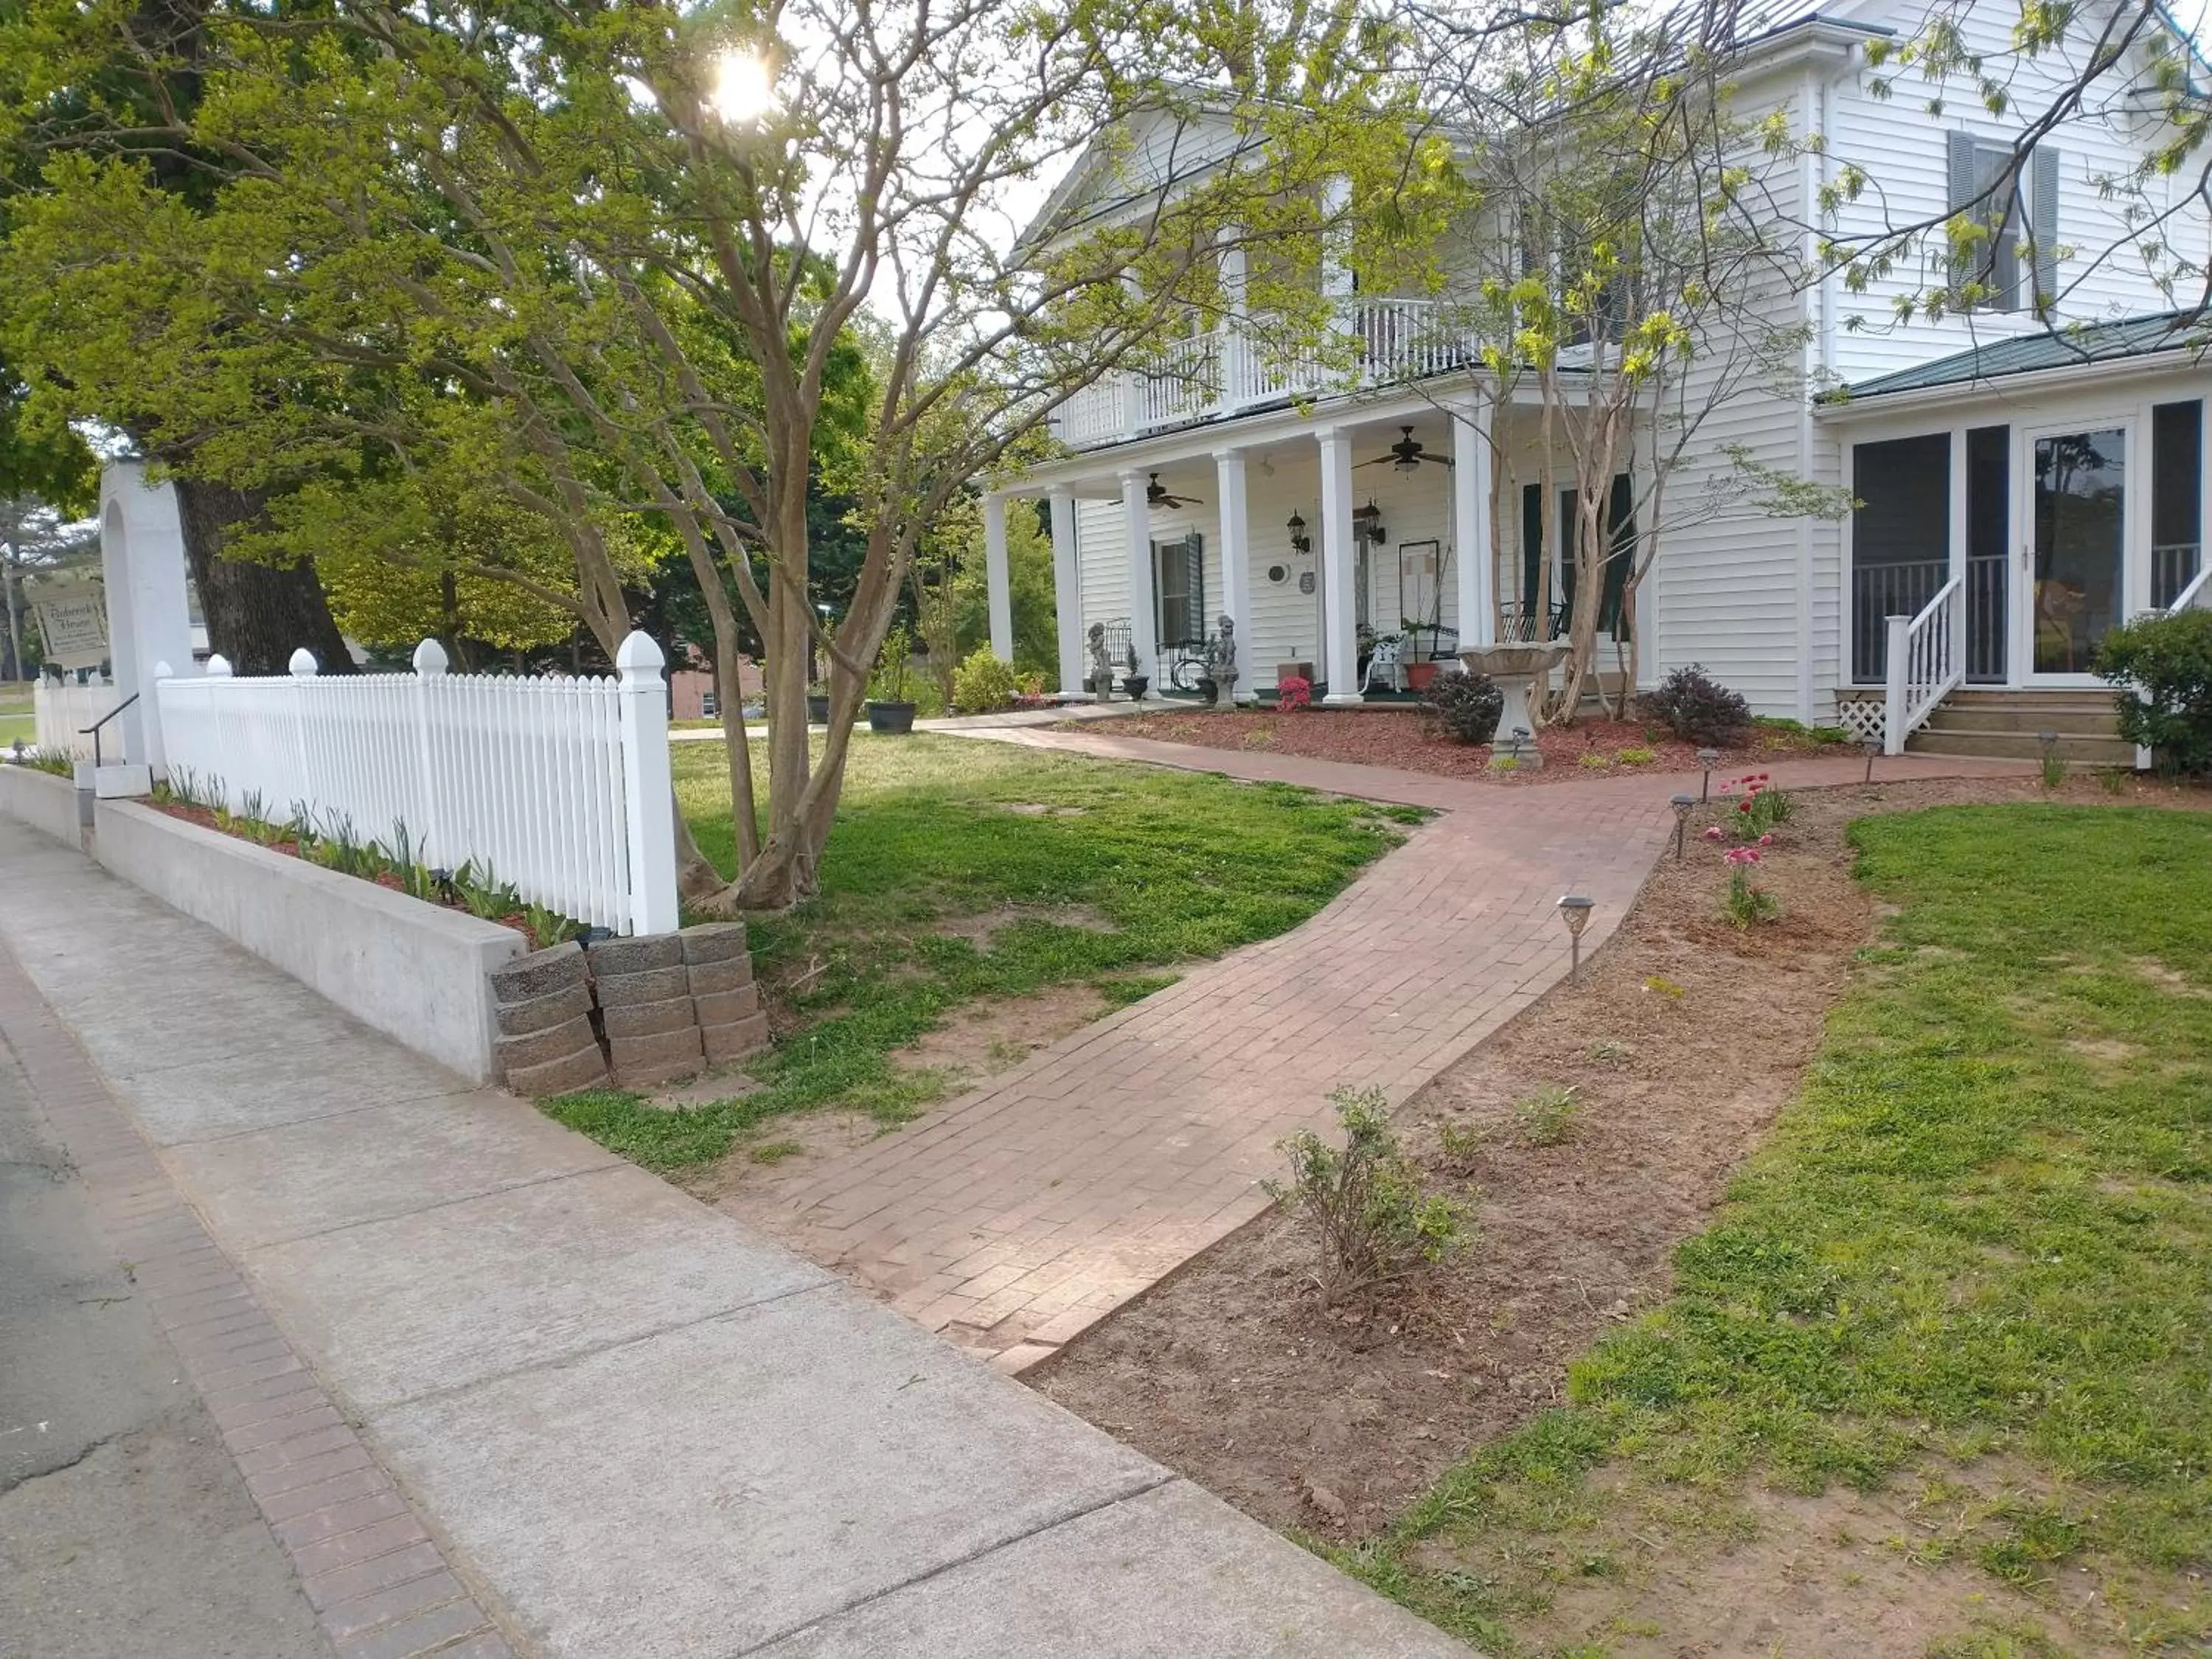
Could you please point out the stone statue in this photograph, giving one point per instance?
(1102, 666)
(1221, 664)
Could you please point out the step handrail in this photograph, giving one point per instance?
(93, 730)
(2197, 595)
(1927, 662)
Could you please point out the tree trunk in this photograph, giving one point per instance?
(256, 614)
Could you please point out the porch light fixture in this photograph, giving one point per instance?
(1300, 542)
(1681, 804)
(1706, 758)
(1574, 911)
(1367, 522)
(1873, 745)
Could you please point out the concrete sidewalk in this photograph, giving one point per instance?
(628, 1425)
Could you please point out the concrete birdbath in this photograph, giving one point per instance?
(1513, 669)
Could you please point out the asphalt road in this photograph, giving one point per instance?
(125, 1530)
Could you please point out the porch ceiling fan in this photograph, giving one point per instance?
(1407, 454)
(1158, 495)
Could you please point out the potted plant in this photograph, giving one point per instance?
(817, 708)
(1132, 682)
(889, 709)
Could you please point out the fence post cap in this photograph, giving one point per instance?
(430, 658)
(218, 667)
(303, 665)
(161, 672)
(639, 656)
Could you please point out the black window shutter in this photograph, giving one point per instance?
(1963, 183)
(1195, 552)
(1531, 547)
(2043, 221)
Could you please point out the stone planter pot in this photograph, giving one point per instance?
(818, 710)
(1135, 685)
(892, 718)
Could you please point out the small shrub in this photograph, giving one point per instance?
(2054, 768)
(58, 762)
(1459, 1144)
(982, 682)
(1747, 902)
(1548, 1116)
(1466, 705)
(2162, 666)
(2116, 780)
(1637, 756)
(1594, 761)
(1696, 708)
(1293, 691)
(1376, 1227)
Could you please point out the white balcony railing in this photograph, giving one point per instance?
(1208, 377)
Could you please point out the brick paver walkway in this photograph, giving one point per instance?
(1026, 1210)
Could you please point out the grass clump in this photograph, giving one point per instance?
(1982, 1231)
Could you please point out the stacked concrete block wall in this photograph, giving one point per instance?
(719, 973)
(645, 1009)
(548, 1043)
(641, 1011)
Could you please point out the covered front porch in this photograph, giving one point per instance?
(1356, 547)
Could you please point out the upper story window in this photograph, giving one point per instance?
(2017, 267)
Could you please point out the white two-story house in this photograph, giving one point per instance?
(2021, 484)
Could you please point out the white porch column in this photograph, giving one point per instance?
(1066, 591)
(1235, 560)
(1340, 639)
(1137, 530)
(1235, 344)
(995, 579)
(1478, 613)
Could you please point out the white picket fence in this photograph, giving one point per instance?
(560, 787)
(63, 709)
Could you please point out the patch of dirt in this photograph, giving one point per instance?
(982, 1039)
(1884, 1574)
(791, 1143)
(1684, 1038)
(1409, 740)
(978, 928)
(1034, 809)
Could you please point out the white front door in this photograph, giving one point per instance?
(2077, 490)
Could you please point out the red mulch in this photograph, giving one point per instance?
(206, 819)
(1413, 743)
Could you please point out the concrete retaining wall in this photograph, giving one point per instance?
(414, 971)
(46, 803)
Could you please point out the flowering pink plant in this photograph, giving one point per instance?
(1293, 691)
(1768, 840)
(1746, 903)
(1714, 832)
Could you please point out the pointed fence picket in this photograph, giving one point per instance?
(559, 786)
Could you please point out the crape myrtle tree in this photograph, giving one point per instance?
(610, 255)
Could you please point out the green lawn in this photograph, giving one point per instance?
(1981, 1237)
(1097, 872)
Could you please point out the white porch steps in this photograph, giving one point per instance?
(2006, 725)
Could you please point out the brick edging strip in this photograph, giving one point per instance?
(380, 1586)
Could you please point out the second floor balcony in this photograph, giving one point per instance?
(1215, 376)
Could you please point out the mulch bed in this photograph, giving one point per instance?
(1413, 742)
(1683, 1040)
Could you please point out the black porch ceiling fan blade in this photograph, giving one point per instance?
(1406, 453)
(1158, 495)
